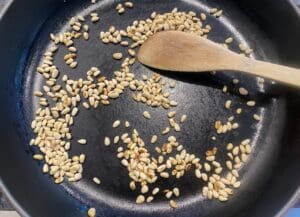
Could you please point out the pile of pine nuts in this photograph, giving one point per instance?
(59, 106)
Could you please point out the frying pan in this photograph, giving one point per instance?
(270, 179)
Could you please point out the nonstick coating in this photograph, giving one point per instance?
(199, 96)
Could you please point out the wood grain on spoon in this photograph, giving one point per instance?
(186, 52)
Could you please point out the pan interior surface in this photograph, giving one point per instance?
(198, 96)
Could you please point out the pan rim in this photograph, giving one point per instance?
(295, 7)
(296, 196)
(16, 205)
(13, 202)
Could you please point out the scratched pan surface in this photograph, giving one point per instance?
(199, 96)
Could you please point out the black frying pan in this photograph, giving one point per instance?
(270, 179)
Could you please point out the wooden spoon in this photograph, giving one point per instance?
(186, 52)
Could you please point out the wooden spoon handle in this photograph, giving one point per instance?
(284, 74)
(179, 51)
